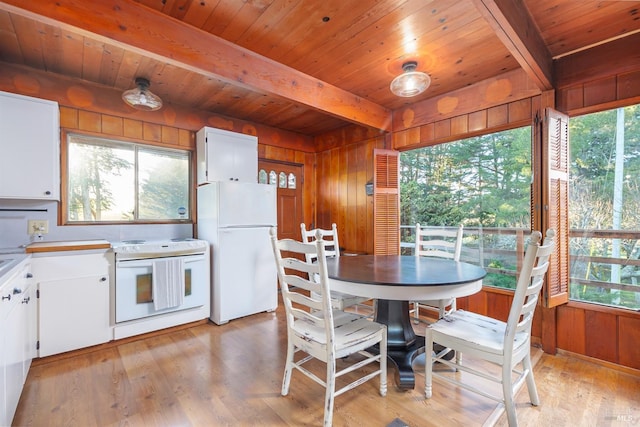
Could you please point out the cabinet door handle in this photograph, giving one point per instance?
(29, 275)
(26, 300)
(17, 291)
(8, 297)
(48, 193)
(103, 279)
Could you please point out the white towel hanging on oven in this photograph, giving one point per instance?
(167, 283)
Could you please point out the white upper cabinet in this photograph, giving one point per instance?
(226, 156)
(29, 148)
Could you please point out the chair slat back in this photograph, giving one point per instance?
(439, 242)
(530, 281)
(313, 306)
(329, 238)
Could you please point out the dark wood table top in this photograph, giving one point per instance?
(398, 270)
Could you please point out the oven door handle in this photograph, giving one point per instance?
(145, 262)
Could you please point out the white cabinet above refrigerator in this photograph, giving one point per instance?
(223, 156)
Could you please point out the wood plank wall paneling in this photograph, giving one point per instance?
(367, 224)
(350, 209)
(347, 135)
(341, 175)
(323, 198)
(493, 119)
(73, 119)
(600, 332)
(602, 93)
(499, 305)
(571, 329)
(628, 348)
(617, 57)
(599, 342)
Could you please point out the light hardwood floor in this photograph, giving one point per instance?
(208, 375)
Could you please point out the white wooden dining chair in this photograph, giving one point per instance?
(441, 243)
(505, 344)
(329, 239)
(320, 331)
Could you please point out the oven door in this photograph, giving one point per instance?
(134, 299)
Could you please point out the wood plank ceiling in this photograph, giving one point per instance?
(303, 65)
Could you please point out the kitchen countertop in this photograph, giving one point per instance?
(12, 257)
(68, 245)
(15, 250)
(8, 262)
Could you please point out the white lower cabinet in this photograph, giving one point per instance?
(73, 301)
(30, 313)
(17, 339)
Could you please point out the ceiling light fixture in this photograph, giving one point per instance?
(141, 97)
(410, 82)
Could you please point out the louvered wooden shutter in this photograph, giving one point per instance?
(555, 194)
(386, 202)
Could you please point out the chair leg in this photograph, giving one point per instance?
(531, 383)
(330, 391)
(507, 391)
(288, 368)
(383, 364)
(441, 309)
(428, 363)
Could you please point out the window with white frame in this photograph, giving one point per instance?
(111, 181)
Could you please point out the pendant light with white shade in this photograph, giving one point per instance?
(141, 97)
(410, 82)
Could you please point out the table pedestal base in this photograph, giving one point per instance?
(403, 345)
(403, 360)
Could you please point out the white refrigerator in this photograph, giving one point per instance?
(235, 217)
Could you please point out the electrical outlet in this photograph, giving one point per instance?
(38, 226)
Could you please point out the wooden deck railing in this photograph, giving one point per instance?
(500, 251)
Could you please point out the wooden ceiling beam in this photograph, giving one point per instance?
(515, 28)
(148, 32)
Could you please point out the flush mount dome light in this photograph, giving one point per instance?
(410, 82)
(141, 97)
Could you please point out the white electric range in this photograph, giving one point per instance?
(160, 283)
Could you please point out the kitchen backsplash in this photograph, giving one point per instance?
(15, 214)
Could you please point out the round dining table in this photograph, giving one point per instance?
(394, 280)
